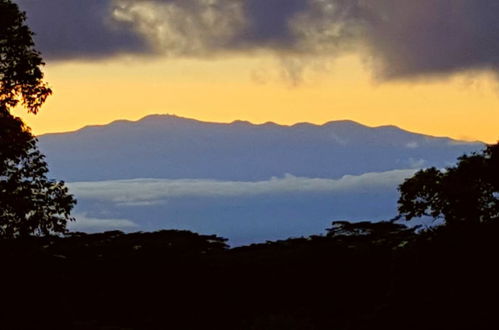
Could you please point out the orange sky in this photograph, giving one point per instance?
(464, 106)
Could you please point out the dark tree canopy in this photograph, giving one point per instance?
(30, 203)
(21, 78)
(465, 193)
(366, 228)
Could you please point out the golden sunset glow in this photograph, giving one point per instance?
(463, 106)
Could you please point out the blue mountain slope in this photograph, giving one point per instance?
(165, 146)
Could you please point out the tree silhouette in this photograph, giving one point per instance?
(29, 202)
(465, 193)
(21, 77)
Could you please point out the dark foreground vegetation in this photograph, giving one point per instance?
(358, 276)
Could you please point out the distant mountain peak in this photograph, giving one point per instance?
(241, 123)
(155, 118)
(172, 119)
(343, 122)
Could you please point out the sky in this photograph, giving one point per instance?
(428, 66)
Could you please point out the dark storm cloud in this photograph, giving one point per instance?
(435, 36)
(68, 29)
(269, 21)
(403, 38)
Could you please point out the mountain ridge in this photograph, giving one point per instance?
(154, 117)
(168, 146)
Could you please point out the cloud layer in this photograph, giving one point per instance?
(144, 192)
(92, 224)
(400, 38)
(80, 29)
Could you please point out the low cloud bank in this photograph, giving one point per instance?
(88, 224)
(145, 192)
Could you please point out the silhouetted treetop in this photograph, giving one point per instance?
(467, 192)
(118, 245)
(21, 79)
(365, 228)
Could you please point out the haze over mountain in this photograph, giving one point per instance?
(243, 181)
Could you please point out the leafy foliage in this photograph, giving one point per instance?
(21, 78)
(467, 192)
(30, 203)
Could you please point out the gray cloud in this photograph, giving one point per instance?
(403, 38)
(91, 224)
(146, 192)
(80, 29)
(183, 28)
(412, 38)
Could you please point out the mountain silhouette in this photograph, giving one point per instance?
(167, 146)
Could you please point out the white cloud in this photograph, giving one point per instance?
(417, 163)
(187, 27)
(90, 224)
(412, 145)
(150, 191)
